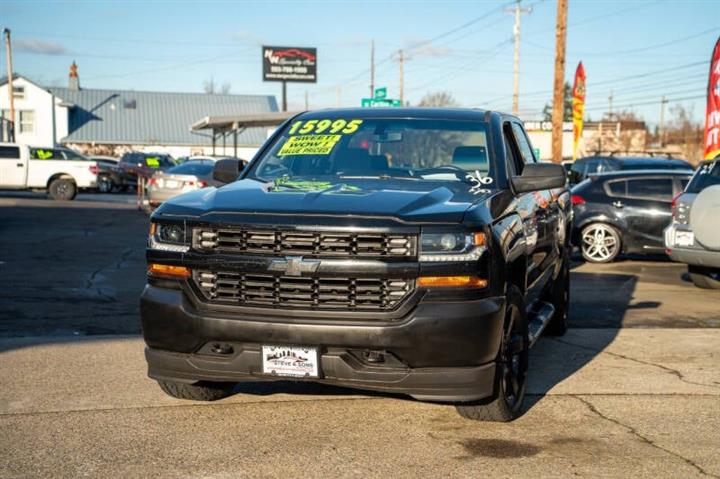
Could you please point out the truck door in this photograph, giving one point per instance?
(13, 167)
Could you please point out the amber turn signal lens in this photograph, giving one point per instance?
(153, 228)
(167, 271)
(479, 239)
(454, 281)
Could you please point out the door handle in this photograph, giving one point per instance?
(618, 204)
(19, 165)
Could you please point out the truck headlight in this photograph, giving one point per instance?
(168, 237)
(451, 246)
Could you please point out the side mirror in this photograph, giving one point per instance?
(227, 170)
(539, 176)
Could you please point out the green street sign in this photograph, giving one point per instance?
(380, 93)
(375, 102)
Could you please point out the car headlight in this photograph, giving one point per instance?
(168, 237)
(451, 246)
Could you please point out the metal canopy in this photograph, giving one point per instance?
(229, 123)
(222, 126)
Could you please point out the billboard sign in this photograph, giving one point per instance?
(289, 64)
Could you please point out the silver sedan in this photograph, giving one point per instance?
(189, 176)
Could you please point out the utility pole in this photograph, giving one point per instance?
(11, 92)
(306, 100)
(558, 87)
(517, 11)
(372, 68)
(402, 78)
(284, 96)
(661, 129)
(610, 99)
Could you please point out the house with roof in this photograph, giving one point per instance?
(111, 122)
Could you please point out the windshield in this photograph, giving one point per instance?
(196, 168)
(335, 149)
(707, 175)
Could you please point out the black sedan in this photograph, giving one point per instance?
(624, 212)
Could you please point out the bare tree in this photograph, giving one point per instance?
(212, 88)
(685, 133)
(438, 99)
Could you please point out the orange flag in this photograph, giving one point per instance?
(578, 106)
(712, 116)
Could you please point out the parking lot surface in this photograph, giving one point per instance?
(631, 391)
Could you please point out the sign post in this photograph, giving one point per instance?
(289, 64)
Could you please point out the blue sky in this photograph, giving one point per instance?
(638, 50)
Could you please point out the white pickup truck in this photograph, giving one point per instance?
(59, 171)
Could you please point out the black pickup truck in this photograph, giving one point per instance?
(413, 251)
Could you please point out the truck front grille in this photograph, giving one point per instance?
(317, 243)
(324, 293)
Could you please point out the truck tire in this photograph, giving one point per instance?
(511, 370)
(559, 297)
(201, 391)
(63, 189)
(704, 278)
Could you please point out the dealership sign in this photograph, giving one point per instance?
(290, 64)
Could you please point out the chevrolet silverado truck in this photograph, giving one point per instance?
(411, 251)
(693, 236)
(60, 172)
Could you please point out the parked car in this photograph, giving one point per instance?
(188, 176)
(693, 237)
(59, 171)
(624, 212)
(583, 167)
(109, 175)
(182, 159)
(407, 250)
(134, 164)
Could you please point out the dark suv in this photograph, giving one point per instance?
(582, 168)
(136, 164)
(415, 251)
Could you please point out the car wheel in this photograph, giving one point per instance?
(201, 391)
(62, 189)
(510, 374)
(599, 243)
(105, 185)
(559, 297)
(704, 278)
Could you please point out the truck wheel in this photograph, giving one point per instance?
(105, 184)
(704, 278)
(559, 297)
(201, 391)
(510, 373)
(599, 243)
(62, 189)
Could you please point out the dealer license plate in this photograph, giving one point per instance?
(684, 238)
(291, 361)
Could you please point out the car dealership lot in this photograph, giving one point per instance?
(632, 390)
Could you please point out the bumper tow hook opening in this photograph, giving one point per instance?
(373, 356)
(224, 349)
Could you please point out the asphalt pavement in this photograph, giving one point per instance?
(631, 391)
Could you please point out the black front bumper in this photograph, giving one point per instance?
(438, 351)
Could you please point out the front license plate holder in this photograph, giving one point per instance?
(684, 238)
(290, 361)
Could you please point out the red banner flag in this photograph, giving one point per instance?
(578, 106)
(712, 116)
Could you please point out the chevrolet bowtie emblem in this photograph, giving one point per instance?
(294, 265)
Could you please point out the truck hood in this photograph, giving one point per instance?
(406, 200)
